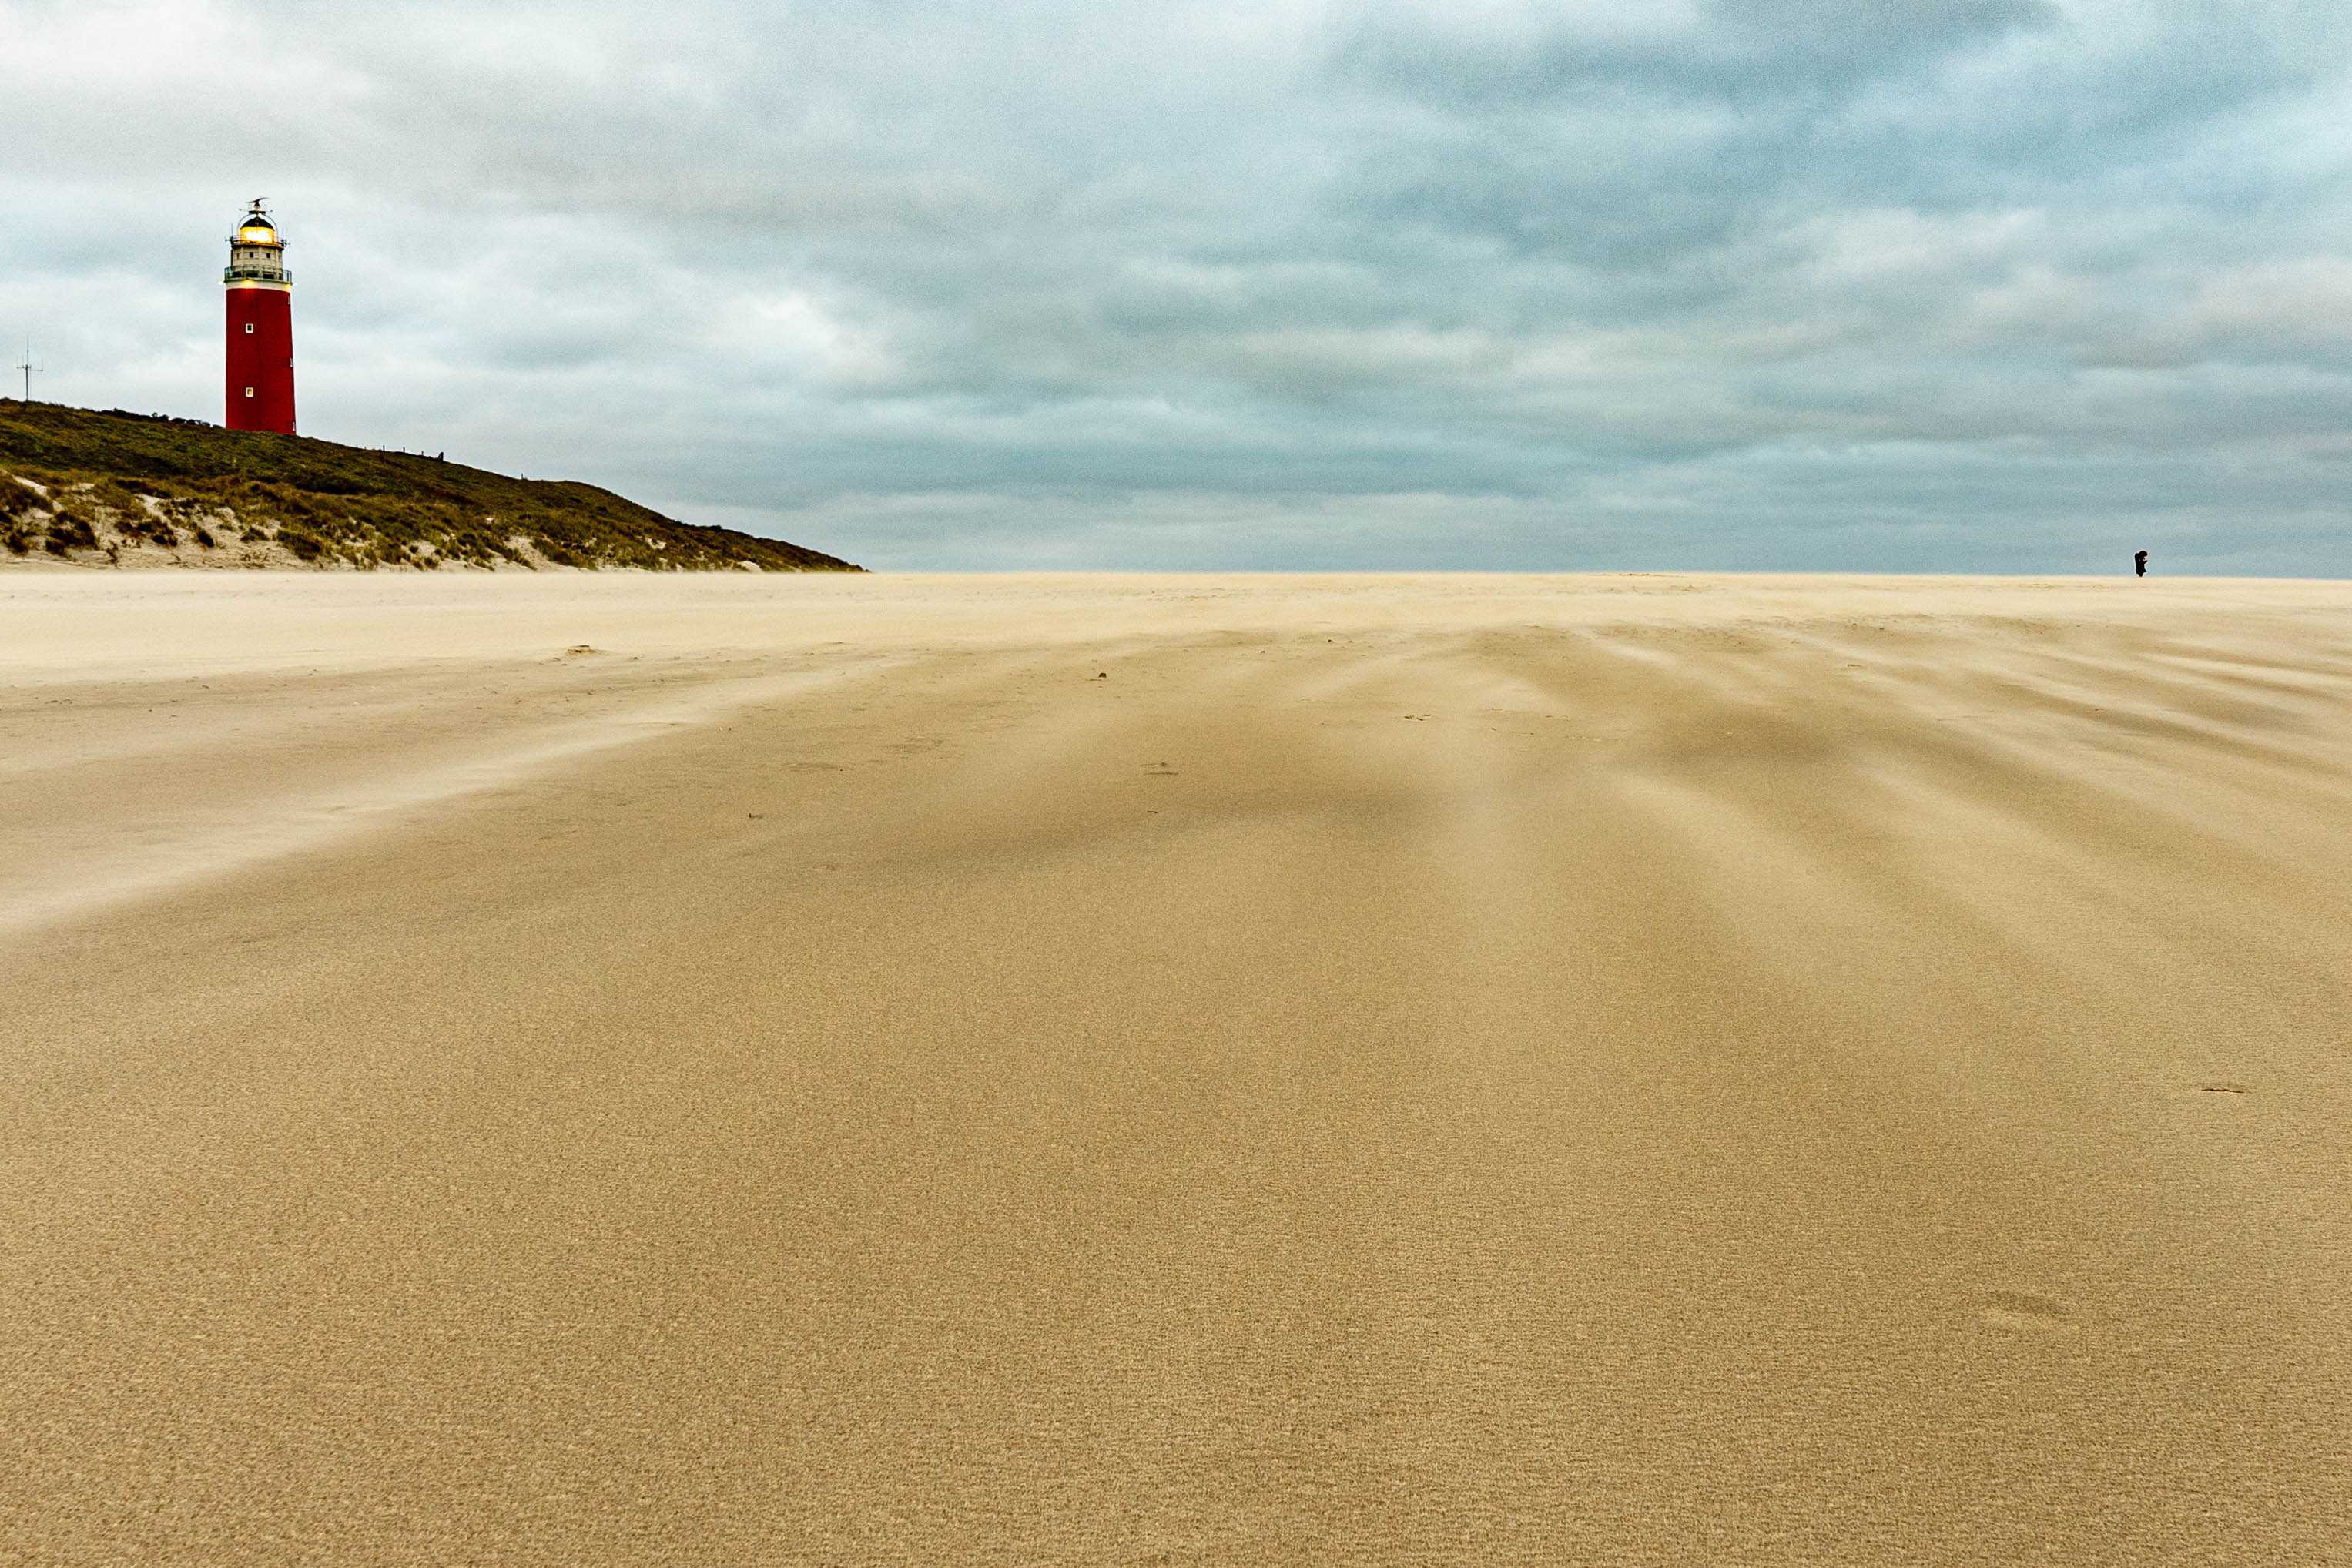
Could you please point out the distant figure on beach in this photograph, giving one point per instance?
(2139, 562)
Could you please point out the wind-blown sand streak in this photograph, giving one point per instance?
(1184, 1070)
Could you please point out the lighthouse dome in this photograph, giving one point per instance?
(257, 230)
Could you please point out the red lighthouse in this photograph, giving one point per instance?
(260, 328)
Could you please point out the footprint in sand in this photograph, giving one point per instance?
(1161, 770)
(2021, 1311)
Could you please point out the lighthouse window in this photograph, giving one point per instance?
(248, 391)
(248, 326)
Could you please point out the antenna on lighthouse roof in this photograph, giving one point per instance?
(28, 367)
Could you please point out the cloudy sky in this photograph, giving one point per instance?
(2005, 285)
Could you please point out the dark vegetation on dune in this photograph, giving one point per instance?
(113, 483)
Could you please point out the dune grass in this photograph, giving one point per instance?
(169, 483)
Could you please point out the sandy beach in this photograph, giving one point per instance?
(1618, 1069)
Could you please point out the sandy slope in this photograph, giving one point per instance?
(1183, 1069)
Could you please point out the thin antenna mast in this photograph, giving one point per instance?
(28, 367)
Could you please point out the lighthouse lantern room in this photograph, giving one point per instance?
(260, 357)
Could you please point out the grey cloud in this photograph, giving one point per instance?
(1739, 50)
(1319, 282)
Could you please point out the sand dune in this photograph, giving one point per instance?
(1614, 1069)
